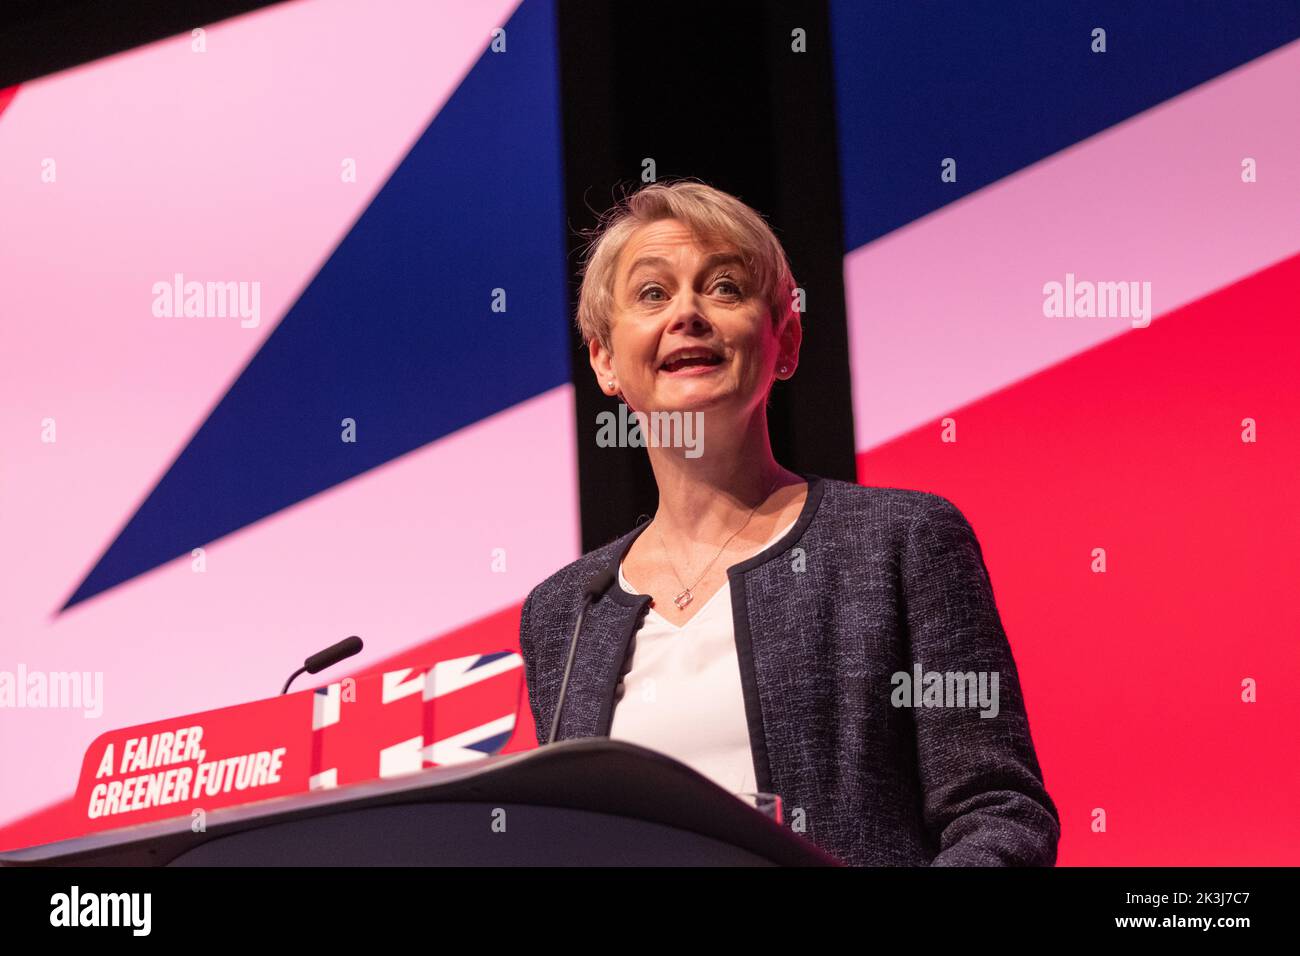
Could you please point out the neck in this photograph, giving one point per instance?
(705, 499)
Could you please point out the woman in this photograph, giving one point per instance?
(766, 628)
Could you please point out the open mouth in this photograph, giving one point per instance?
(694, 359)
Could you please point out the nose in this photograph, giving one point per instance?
(687, 319)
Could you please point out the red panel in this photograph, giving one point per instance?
(1133, 678)
(499, 631)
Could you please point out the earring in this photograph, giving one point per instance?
(784, 370)
(611, 383)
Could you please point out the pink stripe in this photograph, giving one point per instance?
(950, 308)
(404, 551)
(225, 165)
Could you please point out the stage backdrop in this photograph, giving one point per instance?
(1071, 260)
(1129, 466)
(377, 441)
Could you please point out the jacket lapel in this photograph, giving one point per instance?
(611, 621)
(602, 651)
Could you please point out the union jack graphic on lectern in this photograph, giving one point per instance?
(406, 720)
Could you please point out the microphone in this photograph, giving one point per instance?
(597, 586)
(326, 658)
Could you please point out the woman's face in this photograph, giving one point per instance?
(690, 329)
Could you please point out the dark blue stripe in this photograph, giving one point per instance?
(396, 331)
(1001, 84)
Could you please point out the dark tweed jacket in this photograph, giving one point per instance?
(869, 582)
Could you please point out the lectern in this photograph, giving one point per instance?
(585, 802)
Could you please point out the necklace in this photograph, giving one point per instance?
(687, 595)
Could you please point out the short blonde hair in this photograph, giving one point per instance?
(711, 215)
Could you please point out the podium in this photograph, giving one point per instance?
(582, 802)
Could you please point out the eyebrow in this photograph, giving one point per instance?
(716, 259)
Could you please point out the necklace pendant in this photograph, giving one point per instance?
(683, 599)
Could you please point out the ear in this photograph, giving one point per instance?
(602, 363)
(790, 338)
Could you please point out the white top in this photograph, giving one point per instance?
(682, 695)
